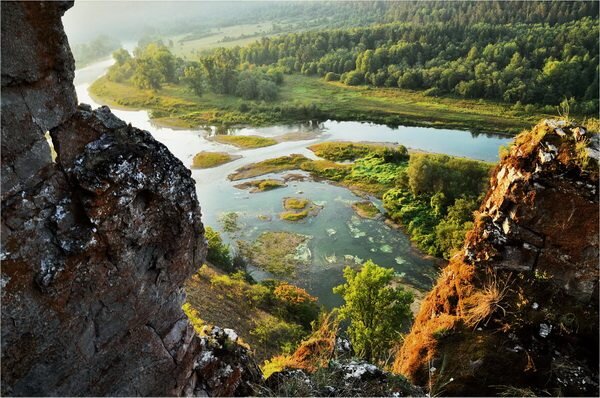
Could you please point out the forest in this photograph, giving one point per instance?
(531, 61)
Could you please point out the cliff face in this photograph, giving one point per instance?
(517, 311)
(97, 244)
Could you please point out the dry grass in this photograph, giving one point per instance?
(485, 302)
(440, 310)
(313, 352)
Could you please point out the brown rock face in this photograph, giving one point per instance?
(517, 311)
(97, 245)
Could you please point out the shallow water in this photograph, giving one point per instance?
(339, 237)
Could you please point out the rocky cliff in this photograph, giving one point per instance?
(96, 244)
(517, 311)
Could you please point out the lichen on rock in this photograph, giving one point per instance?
(95, 246)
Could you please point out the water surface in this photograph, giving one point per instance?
(338, 236)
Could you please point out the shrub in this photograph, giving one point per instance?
(354, 78)
(275, 333)
(218, 252)
(298, 305)
(332, 77)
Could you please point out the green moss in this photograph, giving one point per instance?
(204, 160)
(298, 209)
(244, 141)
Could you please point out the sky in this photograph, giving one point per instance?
(128, 19)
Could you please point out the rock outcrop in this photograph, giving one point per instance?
(517, 312)
(97, 244)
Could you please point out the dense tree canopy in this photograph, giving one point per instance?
(517, 62)
(435, 197)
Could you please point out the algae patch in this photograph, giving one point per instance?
(280, 253)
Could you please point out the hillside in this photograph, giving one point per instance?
(516, 311)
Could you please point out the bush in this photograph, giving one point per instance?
(298, 305)
(354, 78)
(432, 92)
(275, 333)
(332, 77)
(218, 252)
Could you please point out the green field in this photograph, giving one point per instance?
(189, 48)
(303, 97)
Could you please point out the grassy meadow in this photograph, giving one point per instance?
(304, 97)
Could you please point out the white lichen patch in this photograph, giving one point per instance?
(231, 334)
(355, 370)
(204, 359)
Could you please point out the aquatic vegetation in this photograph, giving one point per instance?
(331, 259)
(295, 203)
(386, 249)
(261, 185)
(303, 253)
(342, 151)
(277, 252)
(298, 209)
(229, 221)
(244, 141)
(205, 160)
(293, 215)
(353, 227)
(283, 163)
(399, 260)
(353, 259)
(366, 209)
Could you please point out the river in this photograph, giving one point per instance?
(338, 235)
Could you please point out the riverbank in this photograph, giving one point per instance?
(304, 98)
